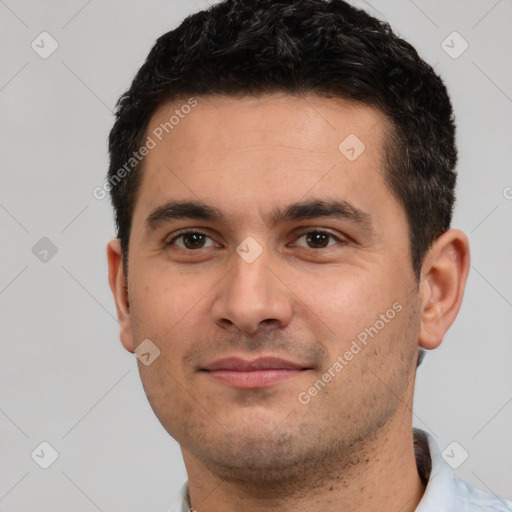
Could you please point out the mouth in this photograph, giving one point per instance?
(259, 373)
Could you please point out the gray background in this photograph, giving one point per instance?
(65, 378)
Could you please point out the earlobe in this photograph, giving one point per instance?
(445, 270)
(118, 285)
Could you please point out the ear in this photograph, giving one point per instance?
(444, 274)
(117, 281)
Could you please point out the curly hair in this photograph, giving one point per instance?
(323, 47)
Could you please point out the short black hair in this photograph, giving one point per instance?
(301, 47)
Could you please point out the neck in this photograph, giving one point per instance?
(381, 473)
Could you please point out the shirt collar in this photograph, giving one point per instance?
(433, 471)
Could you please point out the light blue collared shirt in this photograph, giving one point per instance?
(444, 492)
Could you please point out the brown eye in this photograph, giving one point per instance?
(319, 239)
(190, 240)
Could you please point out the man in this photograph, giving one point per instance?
(282, 174)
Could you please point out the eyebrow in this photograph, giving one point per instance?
(310, 209)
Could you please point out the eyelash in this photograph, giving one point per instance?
(310, 231)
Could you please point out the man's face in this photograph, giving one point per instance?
(256, 284)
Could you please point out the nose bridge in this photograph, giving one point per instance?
(251, 294)
(251, 277)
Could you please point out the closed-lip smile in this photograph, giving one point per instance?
(256, 373)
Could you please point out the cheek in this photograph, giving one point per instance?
(343, 301)
(161, 298)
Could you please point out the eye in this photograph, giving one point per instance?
(190, 240)
(319, 239)
(193, 240)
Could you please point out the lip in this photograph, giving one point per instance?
(261, 372)
(261, 363)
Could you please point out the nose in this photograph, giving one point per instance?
(252, 297)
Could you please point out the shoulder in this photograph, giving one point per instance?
(444, 492)
(470, 499)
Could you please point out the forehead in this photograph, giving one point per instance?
(238, 153)
(307, 123)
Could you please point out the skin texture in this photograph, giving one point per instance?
(350, 447)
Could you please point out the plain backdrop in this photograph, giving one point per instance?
(66, 380)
